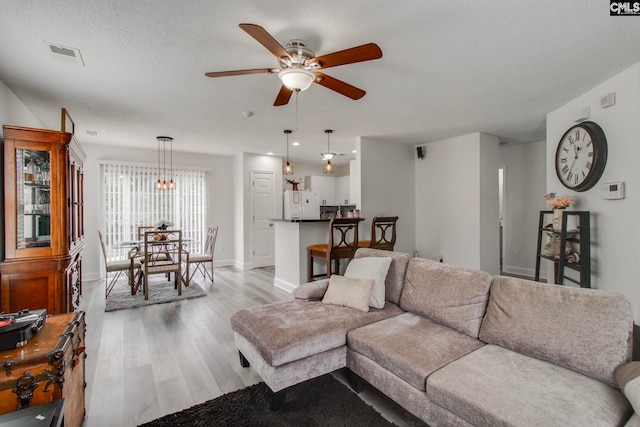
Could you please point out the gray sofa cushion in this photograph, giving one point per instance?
(493, 386)
(410, 346)
(311, 290)
(453, 296)
(396, 274)
(287, 331)
(587, 330)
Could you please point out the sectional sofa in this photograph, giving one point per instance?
(453, 346)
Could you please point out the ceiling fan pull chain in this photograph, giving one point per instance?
(297, 110)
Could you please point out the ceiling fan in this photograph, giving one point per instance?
(299, 66)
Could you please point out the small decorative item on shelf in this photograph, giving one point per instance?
(559, 204)
(294, 182)
(552, 248)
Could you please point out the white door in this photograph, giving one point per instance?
(263, 202)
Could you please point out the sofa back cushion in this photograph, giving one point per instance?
(586, 330)
(452, 296)
(394, 282)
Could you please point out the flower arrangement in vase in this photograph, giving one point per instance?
(559, 204)
(294, 182)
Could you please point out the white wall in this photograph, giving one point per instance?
(219, 198)
(14, 112)
(387, 188)
(489, 243)
(615, 259)
(450, 181)
(525, 185)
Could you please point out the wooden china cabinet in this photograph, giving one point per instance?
(43, 219)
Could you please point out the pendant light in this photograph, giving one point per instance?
(162, 183)
(328, 166)
(288, 168)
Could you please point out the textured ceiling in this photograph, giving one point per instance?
(449, 68)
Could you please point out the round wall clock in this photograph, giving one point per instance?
(581, 156)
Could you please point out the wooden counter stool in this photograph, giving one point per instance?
(343, 243)
(380, 225)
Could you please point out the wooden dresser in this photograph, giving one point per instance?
(50, 367)
(44, 221)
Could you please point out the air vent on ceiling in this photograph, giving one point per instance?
(91, 132)
(65, 54)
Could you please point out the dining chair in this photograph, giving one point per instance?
(131, 267)
(343, 243)
(142, 229)
(200, 260)
(163, 254)
(383, 233)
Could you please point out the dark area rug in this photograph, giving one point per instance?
(322, 401)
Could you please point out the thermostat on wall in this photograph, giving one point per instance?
(613, 190)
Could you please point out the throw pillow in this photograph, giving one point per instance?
(371, 268)
(311, 291)
(628, 378)
(349, 292)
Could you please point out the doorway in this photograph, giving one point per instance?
(263, 209)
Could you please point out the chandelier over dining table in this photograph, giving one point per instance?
(162, 183)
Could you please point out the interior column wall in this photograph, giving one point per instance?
(387, 188)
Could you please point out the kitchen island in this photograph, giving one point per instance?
(292, 236)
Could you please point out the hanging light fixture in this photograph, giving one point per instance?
(162, 183)
(288, 168)
(328, 166)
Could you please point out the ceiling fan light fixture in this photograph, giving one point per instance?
(296, 79)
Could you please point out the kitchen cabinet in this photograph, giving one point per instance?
(333, 190)
(325, 186)
(44, 221)
(342, 190)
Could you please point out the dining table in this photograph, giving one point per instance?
(136, 251)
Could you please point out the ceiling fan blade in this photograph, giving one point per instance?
(366, 52)
(241, 72)
(283, 96)
(339, 86)
(266, 40)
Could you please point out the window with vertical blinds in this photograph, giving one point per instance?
(130, 200)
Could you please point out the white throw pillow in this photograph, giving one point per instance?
(371, 268)
(349, 292)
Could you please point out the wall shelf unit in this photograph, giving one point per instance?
(576, 239)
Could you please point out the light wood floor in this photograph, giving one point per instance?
(150, 361)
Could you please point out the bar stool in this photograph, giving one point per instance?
(379, 238)
(343, 243)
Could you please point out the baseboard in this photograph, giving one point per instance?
(91, 276)
(223, 262)
(284, 285)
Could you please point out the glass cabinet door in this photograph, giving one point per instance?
(33, 198)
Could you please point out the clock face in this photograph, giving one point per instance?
(581, 156)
